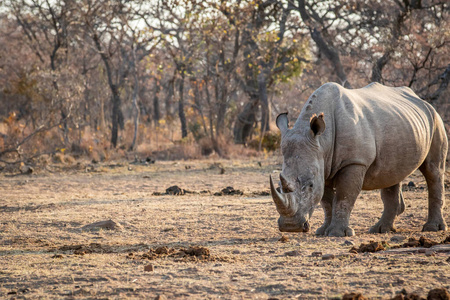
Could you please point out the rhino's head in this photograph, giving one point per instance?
(302, 177)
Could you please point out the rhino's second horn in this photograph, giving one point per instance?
(280, 201)
(285, 185)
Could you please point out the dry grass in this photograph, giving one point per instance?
(163, 142)
(40, 213)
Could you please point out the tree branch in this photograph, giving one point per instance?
(326, 48)
(40, 129)
(444, 78)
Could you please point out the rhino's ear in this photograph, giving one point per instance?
(283, 122)
(317, 124)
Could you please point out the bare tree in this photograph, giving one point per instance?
(48, 35)
(266, 54)
(108, 25)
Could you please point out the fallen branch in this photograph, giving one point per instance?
(16, 148)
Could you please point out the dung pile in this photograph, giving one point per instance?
(434, 294)
(422, 242)
(372, 246)
(87, 249)
(193, 253)
(229, 190)
(174, 190)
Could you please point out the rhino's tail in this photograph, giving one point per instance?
(401, 208)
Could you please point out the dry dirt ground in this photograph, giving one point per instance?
(45, 253)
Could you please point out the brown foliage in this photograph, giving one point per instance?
(88, 80)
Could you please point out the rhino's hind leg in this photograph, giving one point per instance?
(436, 200)
(433, 169)
(434, 176)
(393, 205)
(327, 205)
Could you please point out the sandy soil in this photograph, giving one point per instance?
(44, 253)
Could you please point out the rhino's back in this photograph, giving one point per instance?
(387, 129)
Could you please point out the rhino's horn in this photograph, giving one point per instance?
(279, 199)
(285, 185)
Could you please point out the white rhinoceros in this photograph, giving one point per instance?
(345, 141)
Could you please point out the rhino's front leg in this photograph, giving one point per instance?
(327, 205)
(348, 184)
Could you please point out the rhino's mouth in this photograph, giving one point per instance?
(293, 227)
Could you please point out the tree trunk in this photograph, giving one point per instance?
(444, 80)
(181, 114)
(198, 107)
(326, 47)
(102, 115)
(169, 96)
(245, 122)
(156, 109)
(222, 107)
(377, 68)
(265, 109)
(210, 111)
(213, 136)
(135, 109)
(115, 116)
(145, 113)
(65, 127)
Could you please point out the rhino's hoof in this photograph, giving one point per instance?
(382, 228)
(340, 231)
(435, 226)
(321, 230)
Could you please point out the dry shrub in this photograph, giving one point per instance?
(114, 154)
(227, 148)
(145, 150)
(11, 129)
(43, 160)
(58, 158)
(225, 144)
(176, 152)
(206, 146)
(69, 159)
(185, 149)
(162, 143)
(237, 151)
(2, 141)
(93, 143)
(3, 127)
(32, 141)
(270, 142)
(3, 136)
(61, 158)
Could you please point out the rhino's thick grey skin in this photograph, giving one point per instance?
(345, 141)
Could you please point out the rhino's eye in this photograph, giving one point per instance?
(309, 184)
